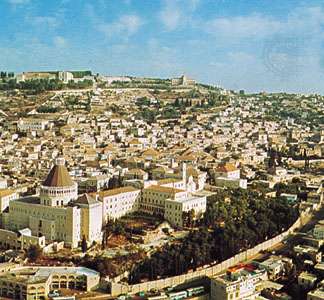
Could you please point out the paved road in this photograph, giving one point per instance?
(283, 247)
(318, 216)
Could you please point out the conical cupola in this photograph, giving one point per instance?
(58, 188)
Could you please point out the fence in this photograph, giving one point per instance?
(118, 288)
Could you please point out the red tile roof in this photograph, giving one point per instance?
(58, 177)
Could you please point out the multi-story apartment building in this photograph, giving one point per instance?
(239, 283)
(65, 76)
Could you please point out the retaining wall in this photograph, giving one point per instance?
(118, 288)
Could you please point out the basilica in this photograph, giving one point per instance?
(58, 213)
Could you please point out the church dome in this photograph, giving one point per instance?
(58, 189)
(59, 175)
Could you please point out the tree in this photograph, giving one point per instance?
(113, 182)
(191, 217)
(244, 220)
(34, 252)
(188, 218)
(84, 245)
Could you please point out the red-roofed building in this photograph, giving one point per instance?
(227, 171)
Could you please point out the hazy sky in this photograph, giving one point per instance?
(271, 45)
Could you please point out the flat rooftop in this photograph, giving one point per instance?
(41, 274)
(163, 189)
(30, 199)
(318, 293)
(239, 273)
(117, 191)
(188, 199)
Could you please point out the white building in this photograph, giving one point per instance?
(91, 225)
(118, 202)
(31, 124)
(274, 266)
(65, 76)
(171, 202)
(227, 171)
(3, 182)
(111, 79)
(20, 240)
(35, 75)
(307, 280)
(174, 209)
(239, 283)
(318, 231)
(154, 197)
(227, 175)
(317, 294)
(36, 282)
(6, 196)
(57, 213)
(183, 80)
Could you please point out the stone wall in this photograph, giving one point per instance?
(118, 288)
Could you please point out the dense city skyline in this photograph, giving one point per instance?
(251, 45)
(161, 149)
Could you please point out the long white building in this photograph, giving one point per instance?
(118, 202)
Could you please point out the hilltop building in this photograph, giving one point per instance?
(35, 75)
(113, 79)
(64, 76)
(183, 81)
